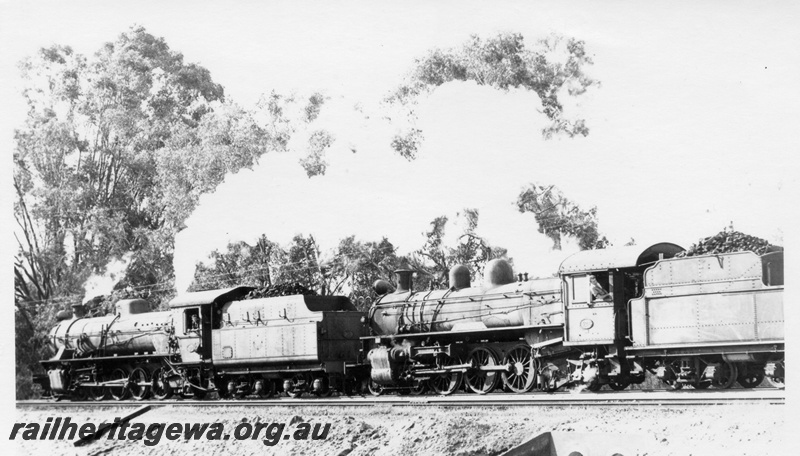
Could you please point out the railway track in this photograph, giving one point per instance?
(604, 398)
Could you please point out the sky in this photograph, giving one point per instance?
(691, 128)
(699, 97)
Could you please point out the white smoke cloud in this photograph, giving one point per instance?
(103, 284)
(481, 147)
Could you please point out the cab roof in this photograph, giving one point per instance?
(617, 257)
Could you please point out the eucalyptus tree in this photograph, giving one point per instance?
(552, 67)
(110, 158)
(558, 216)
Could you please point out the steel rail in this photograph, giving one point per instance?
(609, 398)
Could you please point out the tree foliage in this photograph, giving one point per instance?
(314, 162)
(557, 216)
(85, 162)
(351, 268)
(357, 265)
(195, 160)
(552, 67)
(354, 267)
(314, 106)
(435, 258)
(113, 154)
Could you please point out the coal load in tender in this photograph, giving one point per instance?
(282, 289)
(727, 242)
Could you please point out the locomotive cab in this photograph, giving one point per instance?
(596, 287)
(198, 315)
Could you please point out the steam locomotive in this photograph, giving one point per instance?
(608, 318)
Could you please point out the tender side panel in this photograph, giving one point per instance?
(274, 343)
(708, 299)
(769, 314)
(710, 318)
(268, 311)
(724, 317)
(707, 274)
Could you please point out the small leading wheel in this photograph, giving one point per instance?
(522, 374)
(418, 388)
(97, 393)
(139, 384)
(478, 381)
(750, 376)
(727, 375)
(374, 388)
(159, 386)
(119, 390)
(446, 383)
(79, 394)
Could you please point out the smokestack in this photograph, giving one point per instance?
(403, 277)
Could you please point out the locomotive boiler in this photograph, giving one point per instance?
(485, 335)
(131, 331)
(91, 351)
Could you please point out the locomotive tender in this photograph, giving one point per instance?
(609, 317)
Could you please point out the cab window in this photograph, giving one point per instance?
(600, 287)
(191, 321)
(579, 289)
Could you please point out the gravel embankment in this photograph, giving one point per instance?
(711, 430)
